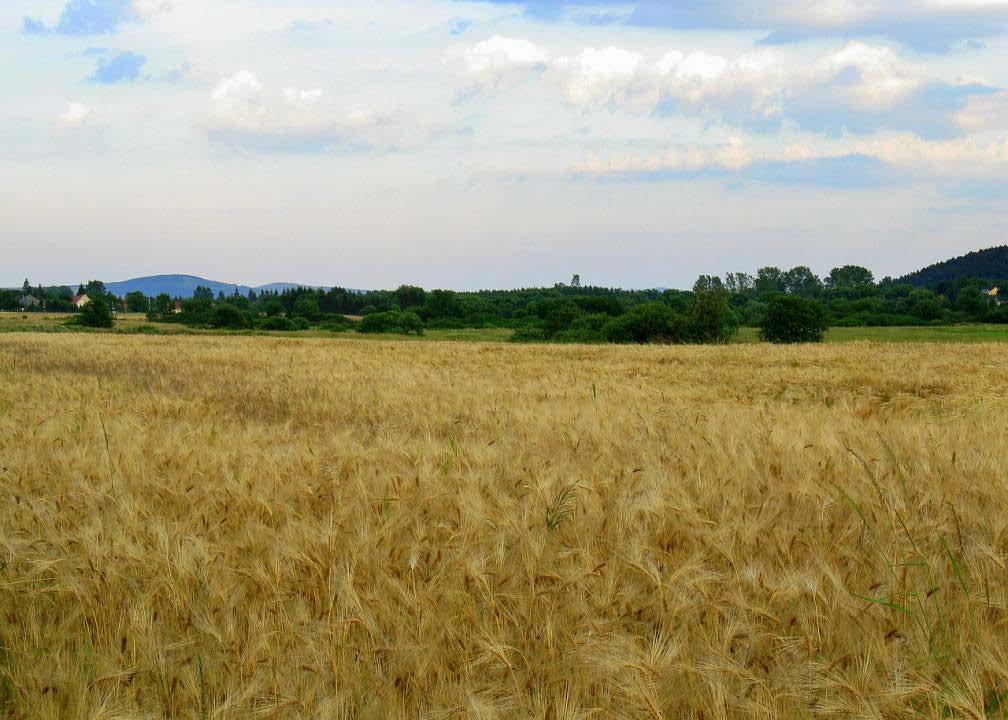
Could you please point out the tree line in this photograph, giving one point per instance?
(791, 304)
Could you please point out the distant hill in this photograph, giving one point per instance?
(990, 264)
(184, 286)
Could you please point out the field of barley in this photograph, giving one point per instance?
(254, 527)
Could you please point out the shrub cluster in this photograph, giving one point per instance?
(703, 316)
(790, 319)
(392, 321)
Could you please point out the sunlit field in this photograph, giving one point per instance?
(257, 527)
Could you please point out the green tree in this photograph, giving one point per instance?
(769, 280)
(850, 277)
(792, 319)
(226, 315)
(307, 307)
(94, 288)
(559, 315)
(802, 281)
(136, 301)
(411, 296)
(442, 303)
(164, 305)
(739, 283)
(710, 317)
(272, 306)
(97, 313)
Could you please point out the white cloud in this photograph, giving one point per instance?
(734, 154)
(146, 9)
(985, 112)
(245, 110)
(486, 64)
(961, 157)
(75, 115)
(868, 76)
(859, 88)
(605, 75)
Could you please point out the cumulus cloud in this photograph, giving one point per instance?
(607, 75)
(488, 63)
(863, 88)
(860, 88)
(75, 115)
(245, 112)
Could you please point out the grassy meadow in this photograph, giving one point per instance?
(203, 526)
(138, 324)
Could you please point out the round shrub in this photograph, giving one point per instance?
(790, 319)
(226, 315)
(276, 323)
(392, 321)
(651, 322)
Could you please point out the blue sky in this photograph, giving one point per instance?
(487, 144)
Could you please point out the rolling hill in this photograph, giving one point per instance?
(990, 264)
(185, 285)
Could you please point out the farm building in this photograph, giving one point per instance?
(80, 301)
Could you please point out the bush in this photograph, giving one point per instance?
(651, 322)
(306, 307)
(276, 323)
(585, 329)
(337, 323)
(790, 319)
(97, 313)
(300, 323)
(529, 334)
(392, 321)
(226, 315)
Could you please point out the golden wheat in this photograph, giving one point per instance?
(204, 527)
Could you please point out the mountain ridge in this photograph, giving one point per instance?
(183, 286)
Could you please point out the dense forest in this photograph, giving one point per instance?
(990, 264)
(570, 312)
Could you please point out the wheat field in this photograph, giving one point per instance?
(218, 527)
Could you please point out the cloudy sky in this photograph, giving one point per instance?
(369, 143)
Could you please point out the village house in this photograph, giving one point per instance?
(178, 307)
(30, 302)
(80, 301)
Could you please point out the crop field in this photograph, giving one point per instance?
(215, 527)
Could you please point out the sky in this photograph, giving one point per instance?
(464, 144)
